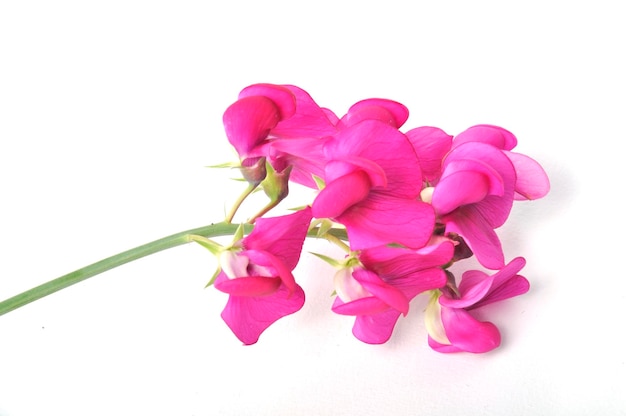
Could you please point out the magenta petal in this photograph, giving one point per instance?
(281, 236)
(375, 329)
(283, 98)
(383, 291)
(363, 306)
(532, 181)
(271, 262)
(459, 188)
(431, 144)
(489, 134)
(248, 121)
(309, 120)
(443, 348)
(386, 147)
(381, 220)
(467, 333)
(248, 286)
(478, 234)
(341, 194)
(471, 293)
(387, 111)
(248, 317)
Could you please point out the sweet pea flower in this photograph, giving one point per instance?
(531, 180)
(373, 180)
(474, 196)
(450, 325)
(257, 275)
(281, 123)
(378, 290)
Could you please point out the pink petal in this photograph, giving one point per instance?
(467, 333)
(381, 220)
(458, 189)
(375, 329)
(309, 120)
(248, 121)
(282, 236)
(489, 134)
(532, 181)
(269, 261)
(248, 317)
(385, 146)
(443, 348)
(284, 99)
(388, 111)
(383, 291)
(471, 293)
(341, 194)
(431, 145)
(248, 286)
(363, 306)
(335, 169)
(478, 234)
(397, 262)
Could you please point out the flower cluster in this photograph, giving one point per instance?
(405, 205)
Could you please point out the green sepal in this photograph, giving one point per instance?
(210, 245)
(333, 262)
(217, 272)
(319, 182)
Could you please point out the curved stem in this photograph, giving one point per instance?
(109, 263)
(174, 240)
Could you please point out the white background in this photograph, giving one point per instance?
(110, 111)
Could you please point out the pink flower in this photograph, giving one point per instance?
(373, 180)
(379, 290)
(450, 325)
(281, 123)
(258, 277)
(531, 180)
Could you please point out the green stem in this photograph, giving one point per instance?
(174, 240)
(109, 263)
(251, 187)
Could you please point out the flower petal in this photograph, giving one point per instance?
(467, 333)
(377, 328)
(248, 317)
(532, 181)
(248, 286)
(478, 234)
(382, 219)
(489, 134)
(281, 236)
(248, 121)
(388, 111)
(383, 291)
(284, 99)
(431, 144)
(341, 194)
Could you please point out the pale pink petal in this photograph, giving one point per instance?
(381, 219)
(489, 134)
(282, 236)
(248, 121)
(248, 317)
(467, 333)
(431, 145)
(375, 329)
(341, 194)
(283, 98)
(532, 181)
(383, 291)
